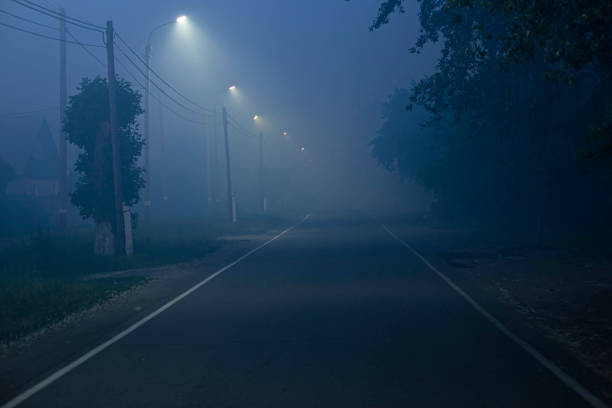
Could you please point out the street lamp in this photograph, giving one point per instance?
(262, 191)
(147, 129)
(212, 194)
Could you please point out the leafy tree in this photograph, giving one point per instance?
(572, 34)
(496, 143)
(87, 126)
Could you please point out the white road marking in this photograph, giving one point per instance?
(65, 370)
(552, 367)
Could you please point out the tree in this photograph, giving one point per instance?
(570, 39)
(497, 142)
(87, 126)
(572, 34)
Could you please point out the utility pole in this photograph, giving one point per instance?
(63, 149)
(112, 104)
(228, 169)
(147, 136)
(262, 190)
(164, 167)
(215, 163)
(208, 153)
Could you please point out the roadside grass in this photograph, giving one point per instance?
(27, 306)
(42, 276)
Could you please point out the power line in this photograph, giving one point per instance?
(28, 20)
(243, 132)
(48, 36)
(156, 74)
(153, 82)
(239, 127)
(54, 14)
(126, 69)
(91, 54)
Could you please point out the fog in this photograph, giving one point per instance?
(311, 69)
(283, 203)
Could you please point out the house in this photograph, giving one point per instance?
(27, 145)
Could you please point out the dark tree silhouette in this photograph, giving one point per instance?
(490, 142)
(571, 34)
(87, 126)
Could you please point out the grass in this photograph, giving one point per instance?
(41, 277)
(27, 306)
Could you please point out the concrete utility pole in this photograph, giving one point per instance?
(228, 169)
(262, 190)
(112, 104)
(63, 149)
(147, 137)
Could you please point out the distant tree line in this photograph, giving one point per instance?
(515, 121)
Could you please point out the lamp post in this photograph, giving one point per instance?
(147, 126)
(262, 191)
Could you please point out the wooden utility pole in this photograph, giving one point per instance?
(228, 168)
(63, 149)
(112, 104)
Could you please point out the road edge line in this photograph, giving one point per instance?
(574, 385)
(96, 350)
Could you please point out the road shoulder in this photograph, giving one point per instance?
(545, 298)
(28, 361)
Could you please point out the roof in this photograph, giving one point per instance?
(27, 145)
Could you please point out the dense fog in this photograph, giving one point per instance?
(315, 86)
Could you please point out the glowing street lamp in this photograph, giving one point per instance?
(302, 149)
(285, 133)
(182, 19)
(232, 88)
(256, 117)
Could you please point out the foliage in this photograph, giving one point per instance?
(599, 148)
(495, 142)
(571, 34)
(87, 126)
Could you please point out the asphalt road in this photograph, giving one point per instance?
(335, 313)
